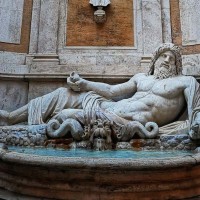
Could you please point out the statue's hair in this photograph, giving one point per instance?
(163, 48)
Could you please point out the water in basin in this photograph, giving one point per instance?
(99, 154)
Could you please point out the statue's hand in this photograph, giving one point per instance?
(73, 80)
(76, 83)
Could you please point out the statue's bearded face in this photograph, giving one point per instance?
(165, 66)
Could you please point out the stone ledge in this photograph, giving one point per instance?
(63, 76)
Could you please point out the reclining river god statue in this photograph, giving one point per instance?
(146, 105)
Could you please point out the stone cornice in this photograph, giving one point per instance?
(63, 77)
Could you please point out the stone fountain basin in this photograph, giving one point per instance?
(100, 178)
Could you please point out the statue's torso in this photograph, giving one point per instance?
(155, 100)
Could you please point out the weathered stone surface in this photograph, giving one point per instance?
(35, 26)
(81, 145)
(148, 144)
(13, 63)
(99, 178)
(100, 63)
(11, 13)
(190, 21)
(41, 88)
(165, 142)
(123, 145)
(35, 135)
(178, 142)
(74, 58)
(23, 29)
(48, 27)
(12, 58)
(191, 64)
(152, 25)
(177, 27)
(104, 62)
(166, 21)
(22, 135)
(64, 143)
(14, 94)
(62, 24)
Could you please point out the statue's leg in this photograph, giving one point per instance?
(19, 115)
(41, 109)
(4, 118)
(14, 117)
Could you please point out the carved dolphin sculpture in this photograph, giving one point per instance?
(150, 130)
(70, 126)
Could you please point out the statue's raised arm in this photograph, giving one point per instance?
(118, 91)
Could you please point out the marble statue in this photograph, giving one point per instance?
(145, 105)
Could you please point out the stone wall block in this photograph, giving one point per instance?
(166, 21)
(35, 26)
(190, 21)
(48, 26)
(152, 25)
(12, 58)
(41, 88)
(191, 65)
(11, 13)
(13, 63)
(13, 94)
(138, 25)
(62, 24)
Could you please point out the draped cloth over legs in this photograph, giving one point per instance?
(122, 128)
(92, 110)
(44, 108)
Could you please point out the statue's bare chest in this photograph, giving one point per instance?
(169, 88)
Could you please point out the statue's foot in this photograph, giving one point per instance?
(4, 116)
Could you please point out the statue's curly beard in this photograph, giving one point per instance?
(162, 71)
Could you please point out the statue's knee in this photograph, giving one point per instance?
(62, 89)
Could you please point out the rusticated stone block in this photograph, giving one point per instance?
(22, 135)
(165, 142)
(178, 142)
